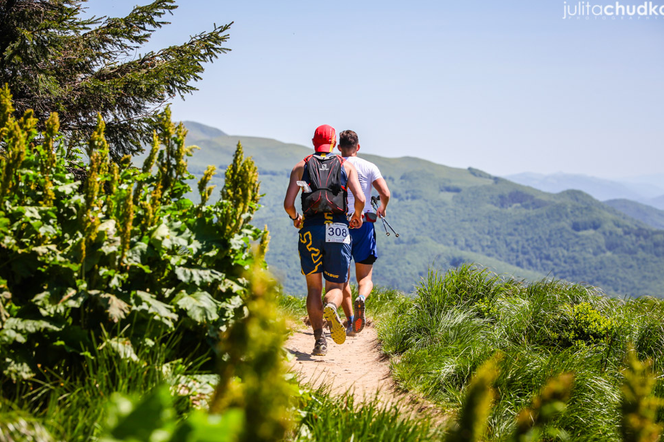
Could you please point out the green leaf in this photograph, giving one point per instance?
(123, 348)
(203, 427)
(115, 307)
(154, 413)
(200, 306)
(29, 326)
(136, 254)
(160, 238)
(68, 189)
(198, 276)
(11, 336)
(163, 312)
(17, 369)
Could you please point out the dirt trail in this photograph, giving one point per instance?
(357, 365)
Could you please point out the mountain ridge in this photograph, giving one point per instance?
(644, 192)
(447, 216)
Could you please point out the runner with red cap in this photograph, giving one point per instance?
(324, 237)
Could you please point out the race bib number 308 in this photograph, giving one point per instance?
(337, 232)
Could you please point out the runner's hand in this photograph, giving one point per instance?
(380, 212)
(356, 221)
(297, 222)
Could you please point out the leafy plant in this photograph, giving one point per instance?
(252, 400)
(472, 421)
(549, 404)
(118, 260)
(639, 407)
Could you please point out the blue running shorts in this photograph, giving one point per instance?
(364, 244)
(317, 256)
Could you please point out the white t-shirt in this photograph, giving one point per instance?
(367, 172)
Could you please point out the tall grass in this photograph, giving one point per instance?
(459, 320)
(331, 418)
(73, 408)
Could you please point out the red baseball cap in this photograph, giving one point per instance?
(325, 138)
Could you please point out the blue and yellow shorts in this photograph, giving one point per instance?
(317, 256)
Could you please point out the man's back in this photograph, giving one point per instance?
(367, 173)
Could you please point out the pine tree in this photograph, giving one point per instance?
(55, 60)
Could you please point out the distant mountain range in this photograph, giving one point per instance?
(645, 190)
(448, 216)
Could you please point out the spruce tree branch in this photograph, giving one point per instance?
(128, 33)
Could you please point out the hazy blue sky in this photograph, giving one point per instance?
(505, 86)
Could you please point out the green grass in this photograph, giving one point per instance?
(330, 418)
(73, 409)
(462, 318)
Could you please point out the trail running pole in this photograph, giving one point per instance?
(374, 200)
(384, 226)
(391, 228)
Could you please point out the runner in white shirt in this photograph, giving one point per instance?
(363, 239)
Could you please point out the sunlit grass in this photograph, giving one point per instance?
(459, 319)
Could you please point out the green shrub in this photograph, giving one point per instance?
(119, 259)
(252, 400)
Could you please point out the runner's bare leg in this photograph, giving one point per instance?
(347, 303)
(314, 301)
(333, 293)
(363, 273)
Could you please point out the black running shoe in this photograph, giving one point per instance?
(320, 349)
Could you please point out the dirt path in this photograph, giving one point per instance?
(356, 365)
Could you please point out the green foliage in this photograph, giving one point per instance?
(639, 407)
(57, 61)
(152, 417)
(439, 338)
(252, 399)
(21, 426)
(120, 259)
(588, 326)
(647, 214)
(471, 423)
(326, 417)
(254, 354)
(531, 423)
(545, 407)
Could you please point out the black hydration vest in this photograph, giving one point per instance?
(328, 185)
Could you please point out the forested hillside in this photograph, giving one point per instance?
(647, 214)
(448, 216)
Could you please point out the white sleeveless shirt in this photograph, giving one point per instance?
(367, 173)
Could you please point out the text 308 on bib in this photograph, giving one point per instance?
(337, 232)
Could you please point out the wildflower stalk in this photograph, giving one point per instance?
(479, 397)
(253, 349)
(203, 188)
(639, 406)
(544, 408)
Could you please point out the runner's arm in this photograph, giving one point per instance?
(356, 189)
(381, 186)
(291, 194)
